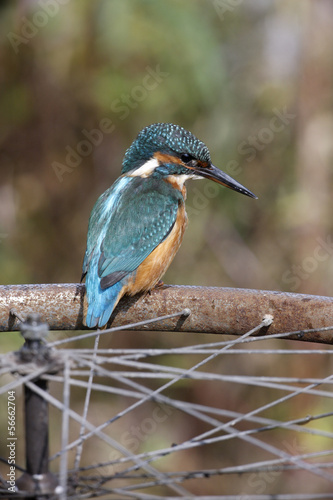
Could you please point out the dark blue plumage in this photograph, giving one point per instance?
(137, 225)
(166, 138)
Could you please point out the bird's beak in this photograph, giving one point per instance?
(216, 175)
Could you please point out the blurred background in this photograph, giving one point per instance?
(252, 79)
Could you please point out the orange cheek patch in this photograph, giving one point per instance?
(164, 158)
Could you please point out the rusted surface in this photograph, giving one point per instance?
(213, 310)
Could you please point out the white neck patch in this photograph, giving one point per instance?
(146, 169)
(179, 180)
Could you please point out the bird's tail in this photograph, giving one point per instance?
(100, 303)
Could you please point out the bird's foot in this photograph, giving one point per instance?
(158, 285)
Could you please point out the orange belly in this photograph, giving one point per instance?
(154, 266)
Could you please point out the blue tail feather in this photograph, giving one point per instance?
(101, 305)
(101, 302)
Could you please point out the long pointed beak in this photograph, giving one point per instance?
(216, 175)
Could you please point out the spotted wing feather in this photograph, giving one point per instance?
(143, 218)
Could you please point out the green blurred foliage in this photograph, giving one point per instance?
(226, 71)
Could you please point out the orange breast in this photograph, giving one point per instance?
(154, 266)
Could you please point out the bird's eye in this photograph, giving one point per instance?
(186, 158)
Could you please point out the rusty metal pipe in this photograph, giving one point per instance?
(229, 311)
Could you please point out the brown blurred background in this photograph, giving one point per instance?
(252, 79)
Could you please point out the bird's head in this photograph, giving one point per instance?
(163, 150)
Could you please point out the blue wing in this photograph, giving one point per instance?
(128, 221)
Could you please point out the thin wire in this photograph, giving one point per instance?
(142, 353)
(63, 472)
(107, 439)
(288, 496)
(116, 375)
(181, 446)
(23, 380)
(86, 407)
(262, 381)
(186, 373)
(130, 358)
(227, 427)
(184, 312)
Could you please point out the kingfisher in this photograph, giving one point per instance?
(137, 225)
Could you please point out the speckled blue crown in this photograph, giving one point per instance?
(166, 138)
